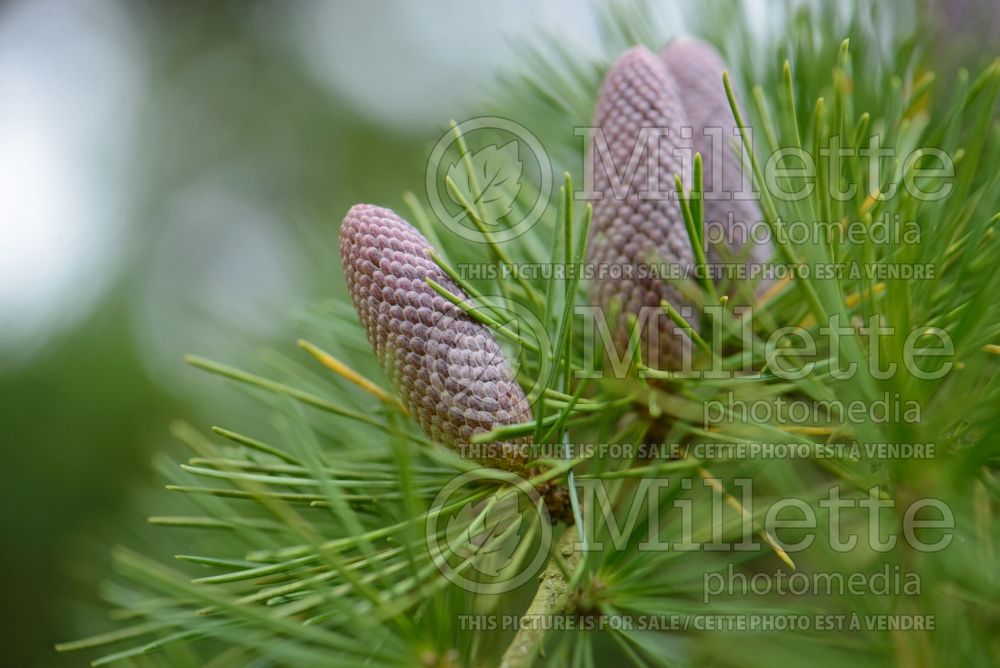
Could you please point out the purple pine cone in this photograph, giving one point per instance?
(448, 369)
(637, 227)
(731, 209)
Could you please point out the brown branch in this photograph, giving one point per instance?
(550, 599)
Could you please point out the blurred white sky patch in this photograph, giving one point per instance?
(70, 79)
(223, 275)
(415, 65)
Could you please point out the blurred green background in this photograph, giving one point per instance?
(171, 179)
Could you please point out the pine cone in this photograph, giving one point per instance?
(640, 228)
(448, 369)
(697, 69)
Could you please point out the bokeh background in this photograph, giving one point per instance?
(171, 179)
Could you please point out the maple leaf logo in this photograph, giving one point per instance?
(489, 180)
(490, 543)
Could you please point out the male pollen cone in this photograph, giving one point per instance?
(731, 210)
(636, 228)
(448, 369)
